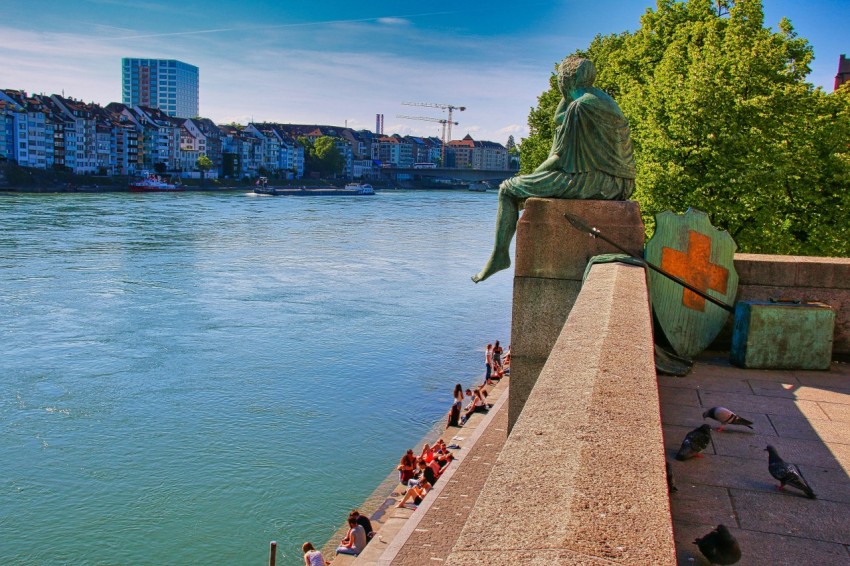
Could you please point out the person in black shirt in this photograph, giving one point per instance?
(364, 522)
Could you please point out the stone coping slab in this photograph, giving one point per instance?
(581, 477)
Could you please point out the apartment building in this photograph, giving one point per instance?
(468, 153)
(166, 84)
(31, 129)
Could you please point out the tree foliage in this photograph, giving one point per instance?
(723, 120)
(322, 156)
(203, 163)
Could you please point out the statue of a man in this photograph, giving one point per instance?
(591, 157)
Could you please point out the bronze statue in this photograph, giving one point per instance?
(591, 157)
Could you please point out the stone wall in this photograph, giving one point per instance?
(823, 279)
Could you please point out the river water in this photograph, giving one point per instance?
(186, 377)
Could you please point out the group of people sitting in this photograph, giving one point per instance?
(419, 474)
(496, 364)
(458, 413)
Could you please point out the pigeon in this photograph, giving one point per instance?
(671, 487)
(719, 546)
(787, 473)
(695, 442)
(725, 417)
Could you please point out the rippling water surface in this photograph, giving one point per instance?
(186, 377)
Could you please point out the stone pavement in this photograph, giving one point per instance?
(806, 416)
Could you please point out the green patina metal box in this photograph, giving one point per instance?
(782, 335)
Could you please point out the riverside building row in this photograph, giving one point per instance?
(52, 131)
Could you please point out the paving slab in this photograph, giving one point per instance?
(806, 415)
(837, 376)
(706, 504)
(836, 411)
(723, 471)
(830, 432)
(816, 393)
(804, 452)
(679, 396)
(793, 515)
(762, 404)
(760, 549)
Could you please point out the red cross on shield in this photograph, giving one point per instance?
(689, 247)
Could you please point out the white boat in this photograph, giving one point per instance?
(360, 188)
(149, 182)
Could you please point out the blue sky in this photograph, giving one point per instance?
(335, 62)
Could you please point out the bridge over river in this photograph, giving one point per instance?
(495, 176)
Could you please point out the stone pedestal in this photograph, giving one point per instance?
(551, 256)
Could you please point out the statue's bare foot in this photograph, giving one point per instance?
(496, 263)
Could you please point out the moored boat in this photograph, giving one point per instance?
(149, 182)
(351, 189)
(360, 188)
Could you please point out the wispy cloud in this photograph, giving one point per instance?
(386, 20)
(168, 7)
(393, 21)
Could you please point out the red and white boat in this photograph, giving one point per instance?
(148, 182)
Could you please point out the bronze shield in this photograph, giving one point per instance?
(689, 247)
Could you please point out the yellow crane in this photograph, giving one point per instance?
(442, 121)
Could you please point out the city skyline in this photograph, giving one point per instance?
(337, 63)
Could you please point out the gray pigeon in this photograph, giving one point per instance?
(695, 442)
(787, 473)
(725, 417)
(719, 546)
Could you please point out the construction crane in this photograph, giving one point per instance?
(442, 121)
(450, 107)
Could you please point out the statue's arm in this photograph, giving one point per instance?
(552, 163)
(561, 111)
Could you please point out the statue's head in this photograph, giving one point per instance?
(575, 72)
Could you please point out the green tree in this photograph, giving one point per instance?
(203, 164)
(322, 156)
(328, 158)
(723, 120)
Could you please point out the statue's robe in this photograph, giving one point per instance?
(591, 155)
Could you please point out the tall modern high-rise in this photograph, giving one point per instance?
(167, 84)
